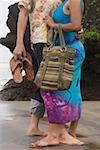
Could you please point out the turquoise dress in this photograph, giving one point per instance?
(65, 106)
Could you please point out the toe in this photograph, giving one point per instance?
(34, 145)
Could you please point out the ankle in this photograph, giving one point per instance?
(53, 136)
(72, 133)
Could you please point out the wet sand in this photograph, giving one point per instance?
(14, 118)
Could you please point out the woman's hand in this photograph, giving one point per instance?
(49, 21)
(19, 51)
(80, 34)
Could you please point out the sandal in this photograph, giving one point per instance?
(28, 67)
(16, 69)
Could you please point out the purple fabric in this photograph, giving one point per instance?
(59, 110)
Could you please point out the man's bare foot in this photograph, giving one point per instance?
(47, 141)
(36, 132)
(66, 138)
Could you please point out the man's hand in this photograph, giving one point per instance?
(79, 34)
(19, 51)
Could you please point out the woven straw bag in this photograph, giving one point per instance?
(57, 67)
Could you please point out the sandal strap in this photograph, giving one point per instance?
(18, 63)
(27, 60)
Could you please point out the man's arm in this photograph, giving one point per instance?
(21, 27)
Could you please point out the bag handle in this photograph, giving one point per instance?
(62, 41)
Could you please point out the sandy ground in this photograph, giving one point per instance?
(14, 119)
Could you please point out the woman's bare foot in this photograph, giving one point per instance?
(47, 141)
(72, 134)
(66, 138)
(36, 132)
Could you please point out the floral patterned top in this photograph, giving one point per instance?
(37, 14)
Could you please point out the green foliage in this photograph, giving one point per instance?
(92, 19)
(93, 35)
(91, 40)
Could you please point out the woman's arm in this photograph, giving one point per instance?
(76, 15)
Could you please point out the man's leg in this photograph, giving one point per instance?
(37, 104)
(37, 112)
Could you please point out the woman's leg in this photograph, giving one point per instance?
(57, 134)
(72, 128)
(52, 138)
(66, 138)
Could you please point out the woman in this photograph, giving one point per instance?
(65, 106)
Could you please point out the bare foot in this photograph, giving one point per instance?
(36, 132)
(66, 138)
(72, 134)
(47, 141)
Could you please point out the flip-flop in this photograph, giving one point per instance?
(15, 67)
(28, 67)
